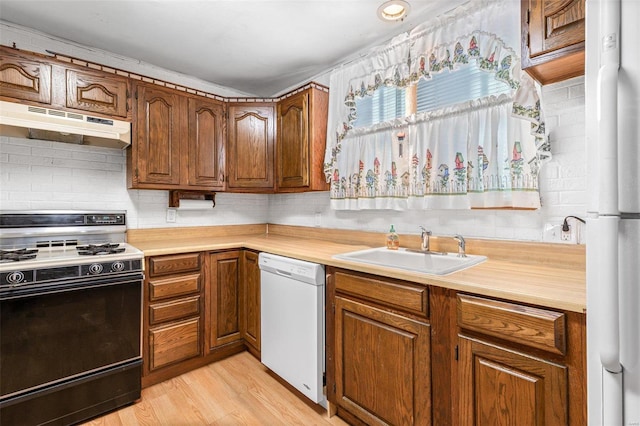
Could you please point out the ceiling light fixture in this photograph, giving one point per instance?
(394, 10)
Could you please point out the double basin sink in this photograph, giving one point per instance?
(435, 263)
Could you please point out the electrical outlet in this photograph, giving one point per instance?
(552, 233)
(555, 234)
(570, 236)
(171, 215)
(318, 219)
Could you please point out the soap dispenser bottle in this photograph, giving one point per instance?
(393, 241)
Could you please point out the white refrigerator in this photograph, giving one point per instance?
(612, 84)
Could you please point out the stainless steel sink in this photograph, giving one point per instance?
(410, 260)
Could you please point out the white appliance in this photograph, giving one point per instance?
(36, 122)
(613, 223)
(292, 322)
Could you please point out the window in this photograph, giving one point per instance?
(469, 82)
(386, 103)
(454, 87)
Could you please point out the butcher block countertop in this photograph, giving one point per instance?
(550, 275)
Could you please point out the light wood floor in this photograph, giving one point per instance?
(235, 391)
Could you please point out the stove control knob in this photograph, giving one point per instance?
(117, 267)
(95, 268)
(15, 277)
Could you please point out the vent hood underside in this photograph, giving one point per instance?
(32, 122)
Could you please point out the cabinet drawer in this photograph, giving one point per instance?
(534, 327)
(174, 342)
(408, 297)
(182, 308)
(174, 286)
(174, 264)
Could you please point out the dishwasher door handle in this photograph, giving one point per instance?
(283, 273)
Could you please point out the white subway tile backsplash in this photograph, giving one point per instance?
(15, 149)
(555, 96)
(574, 198)
(576, 91)
(50, 171)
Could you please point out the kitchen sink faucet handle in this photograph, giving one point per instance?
(461, 245)
(424, 239)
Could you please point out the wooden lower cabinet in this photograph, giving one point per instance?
(173, 320)
(403, 354)
(250, 307)
(191, 312)
(505, 387)
(223, 298)
(382, 365)
(378, 351)
(519, 364)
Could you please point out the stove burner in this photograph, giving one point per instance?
(100, 249)
(18, 255)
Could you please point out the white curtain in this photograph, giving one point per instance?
(485, 153)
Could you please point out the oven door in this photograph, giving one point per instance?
(55, 336)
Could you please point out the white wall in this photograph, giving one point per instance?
(35, 41)
(49, 175)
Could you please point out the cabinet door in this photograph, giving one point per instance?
(250, 324)
(97, 93)
(24, 79)
(223, 298)
(553, 36)
(251, 147)
(555, 24)
(382, 365)
(158, 136)
(293, 142)
(205, 160)
(503, 387)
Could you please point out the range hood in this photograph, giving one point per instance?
(34, 122)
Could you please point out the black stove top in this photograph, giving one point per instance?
(99, 249)
(17, 255)
(22, 254)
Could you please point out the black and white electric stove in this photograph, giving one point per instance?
(71, 316)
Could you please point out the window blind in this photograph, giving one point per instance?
(453, 87)
(386, 103)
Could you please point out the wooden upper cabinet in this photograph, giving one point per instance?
(39, 79)
(159, 129)
(179, 141)
(302, 129)
(205, 158)
(250, 148)
(98, 93)
(24, 78)
(553, 36)
(293, 142)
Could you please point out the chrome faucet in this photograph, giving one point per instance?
(424, 239)
(461, 245)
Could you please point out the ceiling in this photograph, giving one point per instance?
(258, 47)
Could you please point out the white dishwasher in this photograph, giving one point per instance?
(292, 322)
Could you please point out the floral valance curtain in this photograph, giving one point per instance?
(485, 153)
